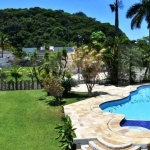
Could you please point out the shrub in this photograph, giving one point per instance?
(53, 87)
(66, 84)
(74, 82)
(66, 133)
(68, 74)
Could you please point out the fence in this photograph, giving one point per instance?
(21, 85)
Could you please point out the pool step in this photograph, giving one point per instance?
(96, 145)
(85, 147)
(101, 144)
(137, 123)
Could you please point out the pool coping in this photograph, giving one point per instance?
(92, 122)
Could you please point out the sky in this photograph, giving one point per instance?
(98, 9)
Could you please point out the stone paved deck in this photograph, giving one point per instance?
(92, 122)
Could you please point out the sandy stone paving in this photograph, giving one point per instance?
(91, 121)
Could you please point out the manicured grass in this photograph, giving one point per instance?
(27, 123)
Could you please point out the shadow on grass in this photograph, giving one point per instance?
(56, 103)
(80, 95)
(51, 101)
(42, 98)
(69, 98)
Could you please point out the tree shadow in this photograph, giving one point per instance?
(42, 98)
(103, 93)
(56, 103)
(80, 95)
(70, 95)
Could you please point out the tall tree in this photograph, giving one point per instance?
(89, 60)
(111, 56)
(143, 44)
(115, 8)
(138, 12)
(4, 42)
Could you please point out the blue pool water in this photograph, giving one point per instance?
(135, 107)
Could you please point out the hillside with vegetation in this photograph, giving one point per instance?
(36, 27)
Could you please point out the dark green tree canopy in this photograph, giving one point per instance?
(37, 27)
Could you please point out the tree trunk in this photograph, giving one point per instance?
(116, 20)
(149, 43)
(16, 83)
(89, 87)
(79, 74)
(38, 80)
(130, 71)
(146, 71)
(48, 93)
(149, 35)
(32, 82)
(2, 53)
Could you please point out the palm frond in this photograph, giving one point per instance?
(133, 10)
(137, 20)
(112, 7)
(120, 4)
(147, 19)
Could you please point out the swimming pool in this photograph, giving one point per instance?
(135, 107)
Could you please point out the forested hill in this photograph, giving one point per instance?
(36, 26)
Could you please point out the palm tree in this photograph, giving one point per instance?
(130, 59)
(138, 12)
(111, 56)
(4, 42)
(16, 73)
(114, 8)
(34, 58)
(31, 74)
(3, 74)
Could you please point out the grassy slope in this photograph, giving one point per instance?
(27, 123)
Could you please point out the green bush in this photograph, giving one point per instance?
(53, 87)
(66, 133)
(66, 84)
(74, 82)
(68, 74)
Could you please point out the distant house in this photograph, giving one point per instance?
(69, 49)
(7, 56)
(42, 50)
(29, 51)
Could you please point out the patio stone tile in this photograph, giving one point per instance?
(91, 121)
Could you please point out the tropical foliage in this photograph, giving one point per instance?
(143, 44)
(16, 73)
(3, 74)
(66, 133)
(88, 61)
(4, 42)
(111, 56)
(130, 60)
(139, 11)
(54, 64)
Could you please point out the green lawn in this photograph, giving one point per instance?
(27, 123)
